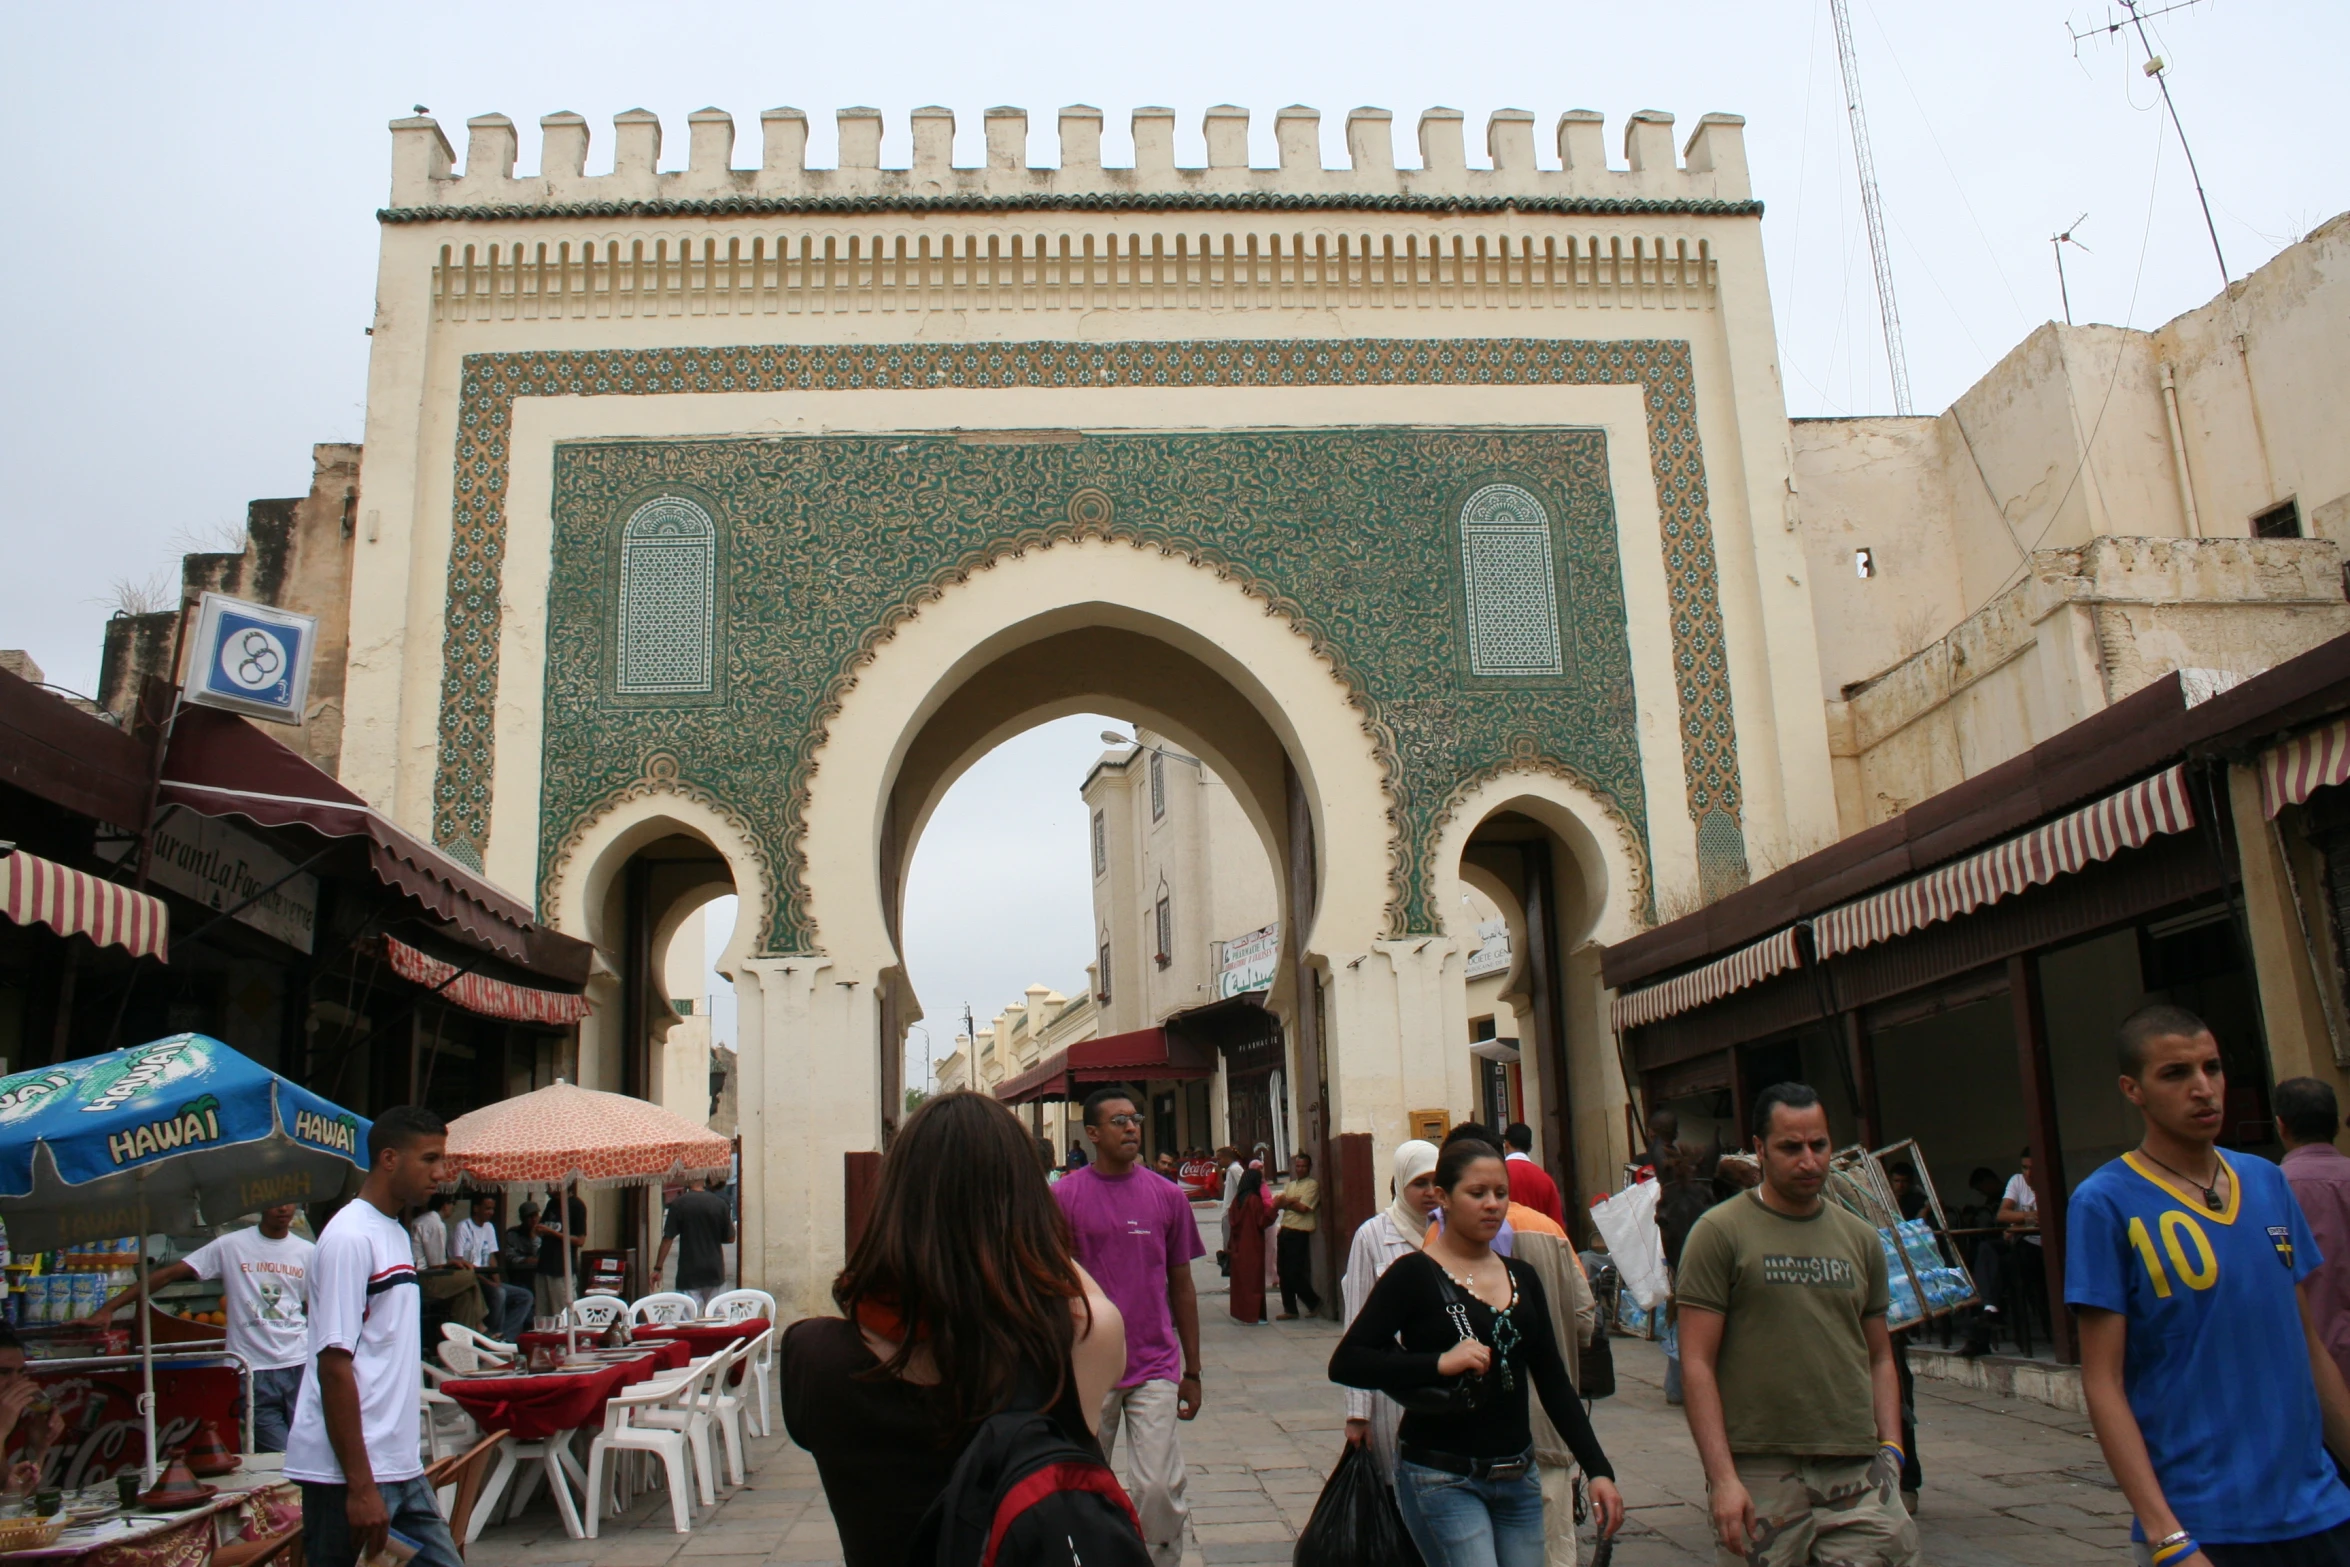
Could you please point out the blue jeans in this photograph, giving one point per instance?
(509, 1308)
(326, 1531)
(1460, 1522)
(273, 1406)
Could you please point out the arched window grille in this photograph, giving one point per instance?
(668, 600)
(1511, 580)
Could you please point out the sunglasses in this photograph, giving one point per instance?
(1130, 1122)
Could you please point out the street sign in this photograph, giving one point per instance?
(251, 659)
(1249, 962)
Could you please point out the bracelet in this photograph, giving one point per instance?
(1900, 1455)
(1190, 1376)
(2176, 1546)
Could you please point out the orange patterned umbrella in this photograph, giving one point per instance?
(567, 1134)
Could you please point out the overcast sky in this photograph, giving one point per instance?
(191, 258)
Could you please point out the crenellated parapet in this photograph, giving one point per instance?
(1708, 177)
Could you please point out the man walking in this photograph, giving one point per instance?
(1294, 1246)
(1530, 1183)
(2206, 1375)
(2308, 1117)
(1132, 1230)
(1786, 1367)
(264, 1281)
(476, 1245)
(699, 1225)
(353, 1446)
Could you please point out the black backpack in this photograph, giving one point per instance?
(1024, 1495)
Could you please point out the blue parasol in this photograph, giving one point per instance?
(169, 1136)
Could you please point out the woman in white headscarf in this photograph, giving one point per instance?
(1400, 1227)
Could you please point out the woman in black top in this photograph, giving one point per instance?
(961, 1295)
(1459, 1315)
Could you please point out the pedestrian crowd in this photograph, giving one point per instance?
(1007, 1323)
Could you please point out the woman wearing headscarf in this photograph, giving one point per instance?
(1395, 1231)
(1252, 1211)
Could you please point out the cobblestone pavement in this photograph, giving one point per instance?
(2008, 1484)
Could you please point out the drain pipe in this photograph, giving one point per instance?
(2178, 451)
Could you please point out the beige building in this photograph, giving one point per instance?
(717, 514)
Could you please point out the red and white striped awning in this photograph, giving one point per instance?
(1683, 992)
(34, 891)
(2292, 772)
(2123, 820)
(479, 993)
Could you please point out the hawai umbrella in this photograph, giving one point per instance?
(564, 1135)
(171, 1135)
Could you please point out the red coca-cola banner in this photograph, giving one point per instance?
(103, 1434)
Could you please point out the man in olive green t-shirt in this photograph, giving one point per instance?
(1786, 1368)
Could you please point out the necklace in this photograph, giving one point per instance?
(2210, 1188)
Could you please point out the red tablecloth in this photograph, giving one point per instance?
(533, 1408)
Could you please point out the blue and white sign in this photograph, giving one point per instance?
(252, 659)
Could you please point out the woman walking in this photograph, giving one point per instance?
(1251, 1213)
(1397, 1230)
(1459, 1335)
(961, 1297)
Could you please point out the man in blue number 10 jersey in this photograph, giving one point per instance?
(2213, 1396)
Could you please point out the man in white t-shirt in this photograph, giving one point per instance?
(263, 1276)
(477, 1245)
(354, 1444)
(432, 1232)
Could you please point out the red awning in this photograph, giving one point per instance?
(480, 993)
(2292, 772)
(1685, 992)
(220, 765)
(75, 903)
(2126, 819)
(1145, 1053)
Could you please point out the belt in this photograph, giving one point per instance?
(1474, 1468)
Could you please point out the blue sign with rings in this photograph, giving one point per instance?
(251, 658)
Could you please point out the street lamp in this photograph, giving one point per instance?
(1112, 737)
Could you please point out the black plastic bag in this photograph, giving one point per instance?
(1355, 1523)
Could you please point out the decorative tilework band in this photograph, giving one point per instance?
(492, 383)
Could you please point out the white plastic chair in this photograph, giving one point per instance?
(597, 1311)
(703, 1403)
(496, 1348)
(470, 1360)
(759, 1357)
(552, 1459)
(741, 1305)
(446, 1426)
(666, 1306)
(625, 1431)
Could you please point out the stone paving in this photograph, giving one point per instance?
(2008, 1483)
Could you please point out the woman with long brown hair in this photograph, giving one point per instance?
(961, 1297)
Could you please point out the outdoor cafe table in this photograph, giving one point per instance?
(706, 1338)
(531, 1406)
(672, 1354)
(185, 1538)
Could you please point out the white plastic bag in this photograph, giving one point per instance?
(1634, 1243)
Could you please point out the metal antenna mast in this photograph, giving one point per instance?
(1871, 206)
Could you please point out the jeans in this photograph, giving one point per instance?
(326, 1531)
(509, 1308)
(273, 1406)
(1155, 1464)
(1460, 1522)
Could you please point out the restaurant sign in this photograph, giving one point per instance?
(223, 867)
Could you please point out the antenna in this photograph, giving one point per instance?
(1871, 206)
(2156, 67)
(2057, 242)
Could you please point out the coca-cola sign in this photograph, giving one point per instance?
(104, 1435)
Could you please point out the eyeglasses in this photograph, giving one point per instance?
(1130, 1122)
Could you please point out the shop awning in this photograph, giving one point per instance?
(1145, 1053)
(1752, 965)
(2292, 772)
(34, 891)
(2125, 819)
(219, 765)
(482, 994)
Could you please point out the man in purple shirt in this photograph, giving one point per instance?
(2307, 1119)
(1133, 1232)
